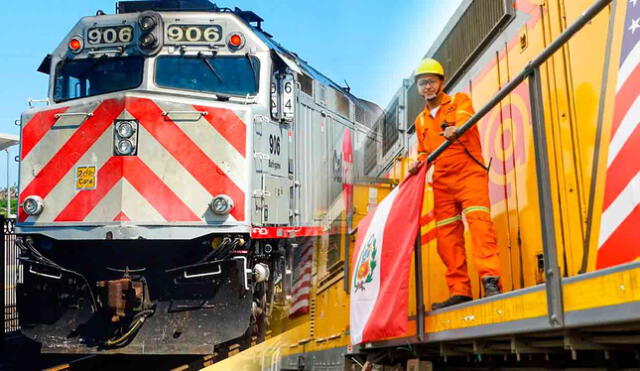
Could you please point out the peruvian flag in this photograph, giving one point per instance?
(381, 263)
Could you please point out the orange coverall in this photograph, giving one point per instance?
(460, 186)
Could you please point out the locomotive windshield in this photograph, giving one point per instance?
(87, 77)
(224, 75)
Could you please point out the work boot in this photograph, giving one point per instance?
(455, 299)
(491, 286)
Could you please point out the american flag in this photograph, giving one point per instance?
(619, 232)
(302, 263)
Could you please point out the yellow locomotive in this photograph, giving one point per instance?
(556, 88)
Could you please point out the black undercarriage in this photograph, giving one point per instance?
(140, 296)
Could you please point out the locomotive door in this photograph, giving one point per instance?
(273, 168)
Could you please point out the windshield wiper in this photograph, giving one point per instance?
(93, 65)
(211, 68)
(253, 69)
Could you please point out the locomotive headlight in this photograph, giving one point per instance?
(221, 204)
(148, 41)
(125, 129)
(125, 137)
(33, 205)
(125, 147)
(147, 22)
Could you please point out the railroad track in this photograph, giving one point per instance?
(20, 354)
(127, 362)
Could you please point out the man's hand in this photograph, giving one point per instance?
(450, 133)
(413, 169)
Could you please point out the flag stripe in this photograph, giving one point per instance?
(625, 167)
(301, 307)
(228, 125)
(303, 292)
(37, 128)
(619, 209)
(362, 306)
(626, 234)
(628, 65)
(622, 184)
(625, 99)
(303, 267)
(628, 124)
(185, 151)
(302, 280)
(391, 317)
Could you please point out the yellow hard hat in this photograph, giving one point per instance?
(429, 65)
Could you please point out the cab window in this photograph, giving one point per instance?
(87, 77)
(223, 75)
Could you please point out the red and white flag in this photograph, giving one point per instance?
(621, 208)
(382, 261)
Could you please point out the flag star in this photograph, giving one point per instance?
(635, 24)
(633, 2)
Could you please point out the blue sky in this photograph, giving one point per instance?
(372, 45)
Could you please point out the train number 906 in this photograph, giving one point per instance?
(194, 33)
(110, 35)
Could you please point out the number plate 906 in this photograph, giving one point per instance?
(194, 33)
(110, 35)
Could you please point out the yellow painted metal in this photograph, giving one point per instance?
(530, 305)
(326, 325)
(614, 288)
(609, 93)
(611, 289)
(572, 84)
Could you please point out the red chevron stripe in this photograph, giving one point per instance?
(228, 125)
(158, 194)
(79, 143)
(145, 181)
(85, 201)
(121, 217)
(623, 168)
(186, 152)
(37, 128)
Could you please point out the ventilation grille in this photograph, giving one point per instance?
(473, 32)
(371, 149)
(390, 128)
(415, 105)
(360, 114)
(306, 84)
(342, 104)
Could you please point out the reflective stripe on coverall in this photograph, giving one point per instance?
(460, 186)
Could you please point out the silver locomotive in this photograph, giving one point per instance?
(182, 159)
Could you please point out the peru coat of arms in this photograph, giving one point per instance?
(366, 265)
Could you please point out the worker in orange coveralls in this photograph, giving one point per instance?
(459, 185)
